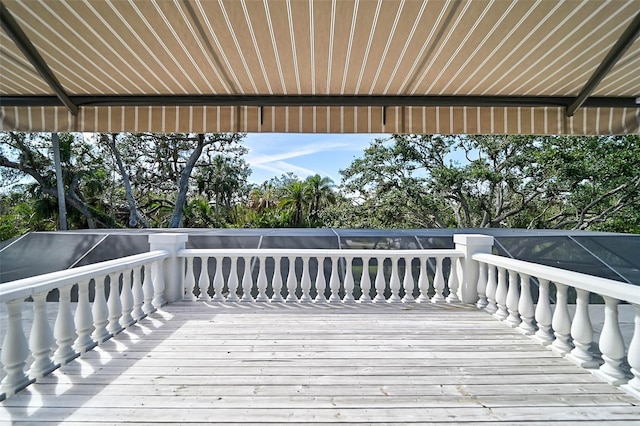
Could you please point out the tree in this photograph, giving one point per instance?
(29, 156)
(320, 193)
(503, 181)
(296, 198)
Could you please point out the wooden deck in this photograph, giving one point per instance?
(204, 363)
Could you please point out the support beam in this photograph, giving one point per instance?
(315, 100)
(13, 30)
(616, 52)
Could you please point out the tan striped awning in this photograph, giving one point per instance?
(405, 66)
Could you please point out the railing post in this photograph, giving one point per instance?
(172, 267)
(470, 244)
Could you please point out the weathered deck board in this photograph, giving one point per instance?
(203, 363)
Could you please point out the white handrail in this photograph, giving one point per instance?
(593, 284)
(44, 283)
(321, 252)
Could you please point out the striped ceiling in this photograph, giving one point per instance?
(475, 66)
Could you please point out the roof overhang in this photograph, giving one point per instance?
(524, 66)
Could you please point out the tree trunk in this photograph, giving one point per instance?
(134, 214)
(183, 185)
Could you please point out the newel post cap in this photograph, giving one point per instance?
(168, 238)
(473, 239)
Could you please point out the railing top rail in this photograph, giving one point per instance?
(320, 252)
(602, 286)
(41, 283)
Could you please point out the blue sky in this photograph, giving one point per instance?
(272, 154)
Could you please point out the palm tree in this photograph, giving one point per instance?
(296, 197)
(321, 192)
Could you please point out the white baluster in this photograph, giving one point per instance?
(126, 299)
(305, 282)
(147, 290)
(633, 357)
(349, 284)
(114, 304)
(218, 281)
(582, 332)
(492, 286)
(423, 281)
(138, 294)
(189, 281)
(292, 281)
(513, 297)
(438, 282)
(233, 281)
(394, 282)
(561, 322)
(407, 282)
(262, 281)
(276, 281)
(83, 320)
(365, 281)
(525, 306)
(157, 269)
(247, 281)
(611, 344)
(501, 295)
(544, 334)
(380, 281)
(334, 281)
(100, 312)
(65, 329)
(453, 282)
(41, 338)
(482, 286)
(321, 282)
(15, 351)
(203, 280)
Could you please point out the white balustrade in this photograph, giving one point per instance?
(438, 282)
(611, 344)
(84, 319)
(333, 286)
(525, 306)
(41, 338)
(453, 283)
(189, 282)
(492, 286)
(114, 304)
(147, 291)
(320, 283)
(482, 286)
(501, 295)
(543, 314)
(247, 281)
(65, 328)
(394, 282)
(73, 333)
(126, 300)
(334, 280)
(305, 282)
(513, 297)
(100, 312)
(203, 280)
(218, 281)
(276, 281)
(407, 281)
(262, 281)
(365, 281)
(15, 351)
(572, 337)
